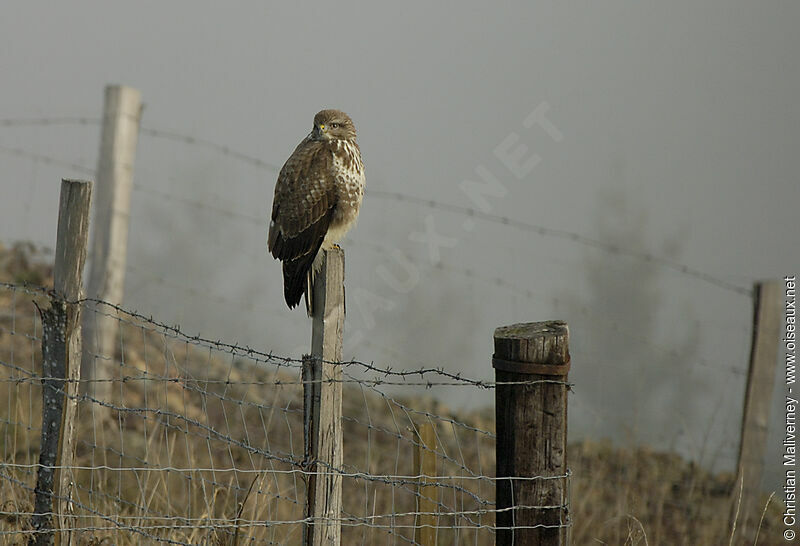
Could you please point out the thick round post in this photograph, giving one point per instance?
(531, 361)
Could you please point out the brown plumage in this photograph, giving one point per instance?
(317, 198)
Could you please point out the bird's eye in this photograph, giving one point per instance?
(334, 125)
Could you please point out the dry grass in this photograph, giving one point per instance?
(201, 447)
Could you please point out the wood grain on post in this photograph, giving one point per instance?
(61, 364)
(121, 113)
(323, 404)
(425, 528)
(531, 422)
(757, 404)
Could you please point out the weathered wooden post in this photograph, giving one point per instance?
(120, 132)
(425, 530)
(757, 404)
(61, 363)
(531, 432)
(322, 387)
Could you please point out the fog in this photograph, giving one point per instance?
(655, 179)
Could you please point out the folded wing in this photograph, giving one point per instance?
(302, 209)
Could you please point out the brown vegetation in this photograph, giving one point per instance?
(201, 446)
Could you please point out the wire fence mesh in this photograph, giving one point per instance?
(201, 441)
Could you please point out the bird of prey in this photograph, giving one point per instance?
(317, 198)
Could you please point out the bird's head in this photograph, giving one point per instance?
(333, 125)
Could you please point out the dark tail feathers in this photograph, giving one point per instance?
(295, 278)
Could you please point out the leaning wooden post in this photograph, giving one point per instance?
(757, 404)
(120, 132)
(531, 422)
(427, 494)
(323, 404)
(61, 363)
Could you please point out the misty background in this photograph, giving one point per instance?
(663, 184)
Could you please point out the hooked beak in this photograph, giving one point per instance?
(318, 132)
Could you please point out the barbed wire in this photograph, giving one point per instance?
(49, 121)
(300, 465)
(471, 274)
(226, 522)
(567, 235)
(410, 478)
(46, 159)
(543, 231)
(470, 212)
(585, 310)
(184, 383)
(455, 379)
(192, 384)
(178, 389)
(184, 424)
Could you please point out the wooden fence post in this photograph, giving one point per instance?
(121, 113)
(531, 422)
(61, 363)
(757, 403)
(425, 528)
(322, 389)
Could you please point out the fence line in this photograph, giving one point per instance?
(49, 160)
(234, 349)
(465, 502)
(168, 395)
(468, 273)
(471, 212)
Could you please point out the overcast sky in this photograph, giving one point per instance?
(671, 130)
